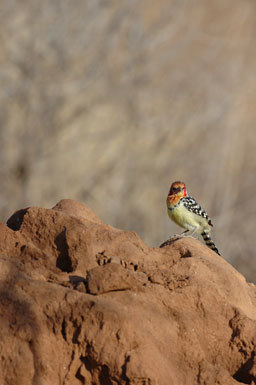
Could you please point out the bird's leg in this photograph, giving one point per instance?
(182, 235)
(177, 236)
(193, 231)
(184, 232)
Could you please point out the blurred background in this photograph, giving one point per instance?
(109, 101)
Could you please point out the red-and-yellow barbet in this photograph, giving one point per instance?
(187, 213)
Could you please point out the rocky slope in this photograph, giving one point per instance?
(82, 302)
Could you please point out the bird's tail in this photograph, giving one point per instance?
(208, 241)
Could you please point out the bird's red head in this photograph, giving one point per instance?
(178, 189)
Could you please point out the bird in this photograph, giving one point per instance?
(187, 213)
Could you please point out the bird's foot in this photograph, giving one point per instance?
(189, 236)
(182, 235)
(174, 237)
(170, 240)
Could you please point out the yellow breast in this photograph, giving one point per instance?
(187, 219)
(178, 215)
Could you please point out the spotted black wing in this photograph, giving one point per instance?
(192, 205)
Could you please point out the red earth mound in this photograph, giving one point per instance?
(84, 303)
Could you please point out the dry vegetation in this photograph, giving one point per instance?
(107, 102)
